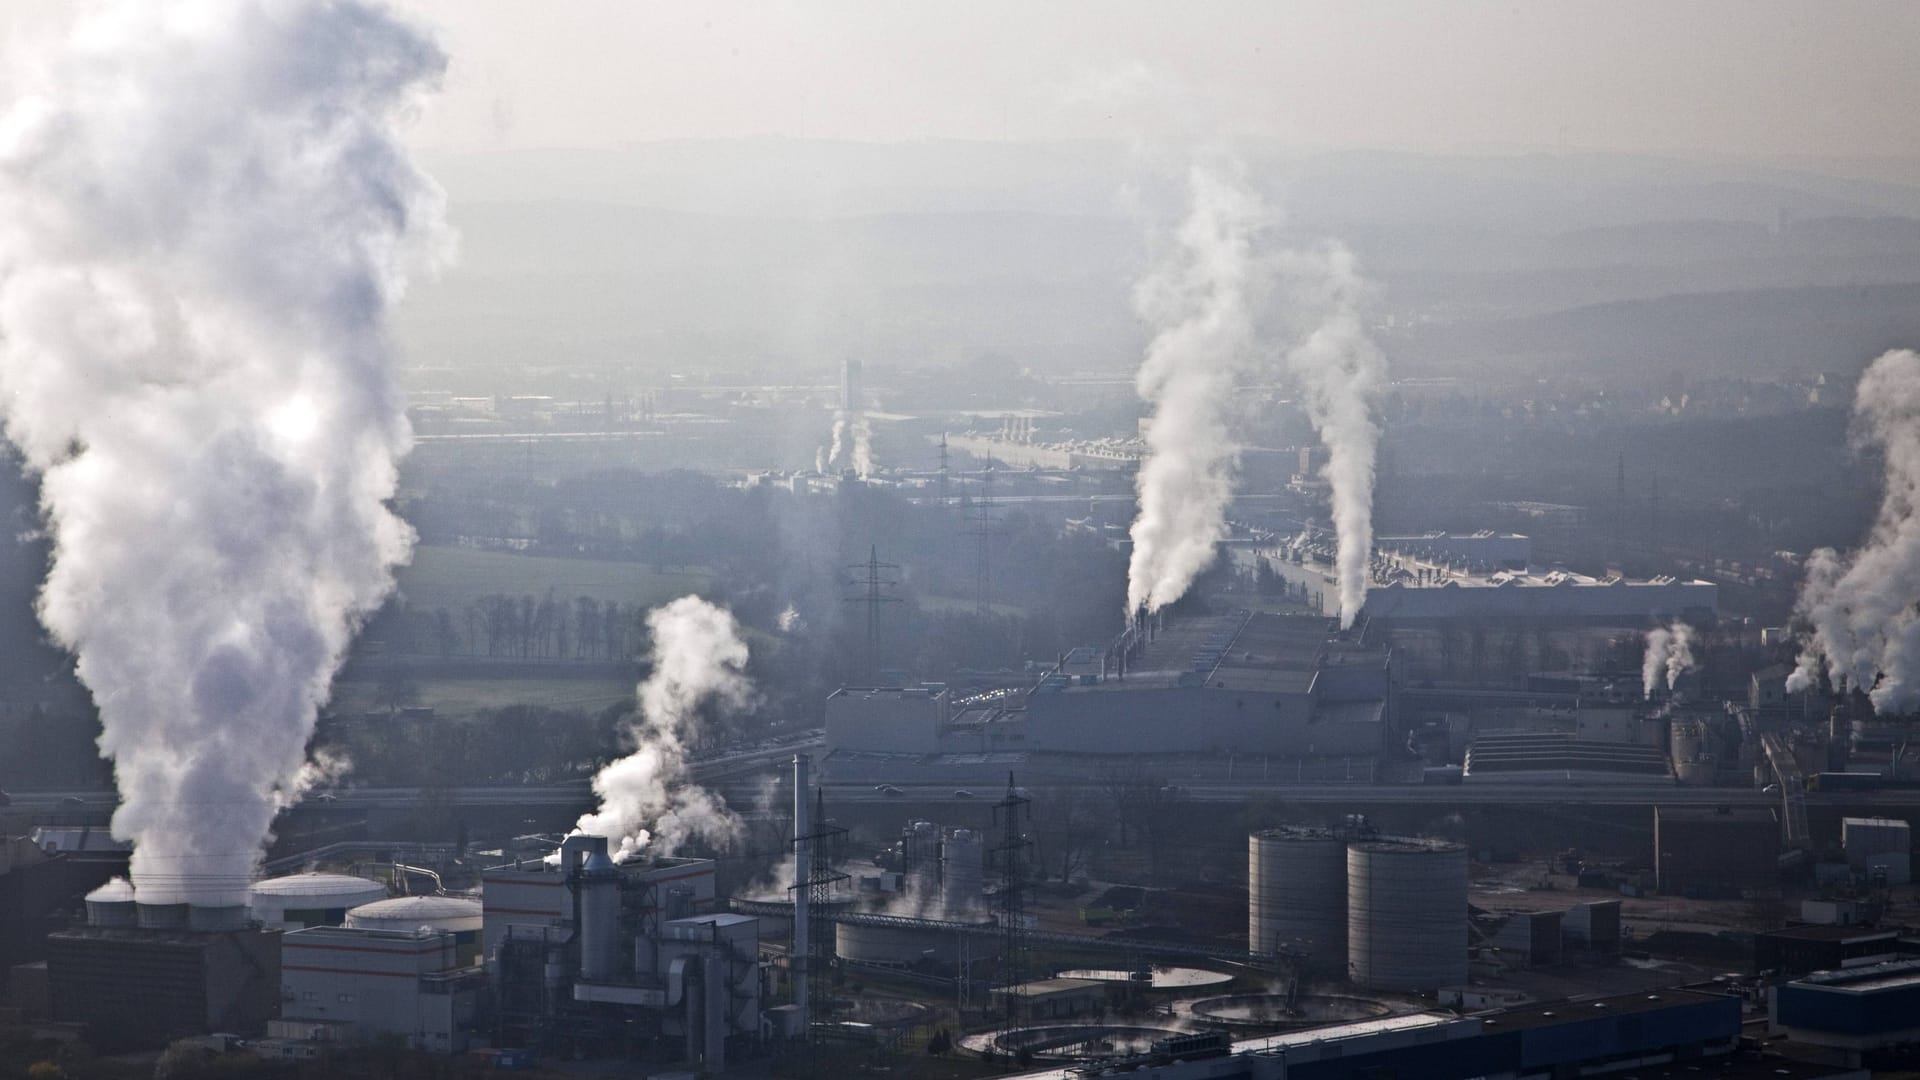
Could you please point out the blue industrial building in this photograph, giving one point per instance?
(1856, 1011)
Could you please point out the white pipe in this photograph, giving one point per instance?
(802, 870)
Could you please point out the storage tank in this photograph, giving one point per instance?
(220, 919)
(899, 946)
(297, 901)
(1297, 895)
(161, 916)
(455, 914)
(1406, 914)
(963, 861)
(112, 905)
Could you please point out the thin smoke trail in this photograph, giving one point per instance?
(205, 216)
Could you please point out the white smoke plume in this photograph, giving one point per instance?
(205, 215)
(862, 446)
(851, 446)
(790, 621)
(1669, 655)
(646, 800)
(837, 449)
(1205, 305)
(1200, 305)
(1860, 608)
(1339, 371)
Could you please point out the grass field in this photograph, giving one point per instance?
(453, 577)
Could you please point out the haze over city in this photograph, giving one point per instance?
(824, 539)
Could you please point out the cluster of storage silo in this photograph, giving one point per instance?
(1389, 913)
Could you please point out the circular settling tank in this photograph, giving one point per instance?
(880, 1012)
(1163, 978)
(1068, 1042)
(1271, 1011)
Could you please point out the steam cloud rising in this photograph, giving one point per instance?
(1339, 370)
(1200, 304)
(1205, 306)
(205, 216)
(1669, 653)
(1860, 607)
(646, 800)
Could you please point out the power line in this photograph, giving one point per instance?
(875, 591)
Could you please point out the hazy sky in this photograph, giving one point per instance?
(1763, 78)
(1752, 77)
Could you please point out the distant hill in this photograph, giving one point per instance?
(1763, 332)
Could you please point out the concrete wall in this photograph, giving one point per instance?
(369, 982)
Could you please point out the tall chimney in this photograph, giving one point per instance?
(802, 873)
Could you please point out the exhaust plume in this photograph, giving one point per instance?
(1669, 653)
(1859, 608)
(1205, 305)
(205, 215)
(646, 801)
(1339, 370)
(1200, 305)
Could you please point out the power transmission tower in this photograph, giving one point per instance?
(873, 590)
(982, 531)
(1620, 510)
(1010, 855)
(943, 468)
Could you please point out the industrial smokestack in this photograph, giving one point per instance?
(205, 216)
(646, 799)
(802, 874)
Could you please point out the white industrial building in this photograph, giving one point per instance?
(362, 983)
(1879, 846)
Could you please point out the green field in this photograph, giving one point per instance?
(454, 577)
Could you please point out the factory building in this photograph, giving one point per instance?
(1856, 1012)
(593, 957)
(140, 975)
(1488, 549)
(535, 895)
(1668, 1033)
(1282, 688)
(33, 886)
(1878, 847)
(1408, 589)
(1797, 950)
(1716, 851)
(356, 984)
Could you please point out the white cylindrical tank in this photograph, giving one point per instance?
(1297, 895)
(301, 900)
(893, 946)
(963, 863)
(1406, 914)
(454, 914)
(112, 905)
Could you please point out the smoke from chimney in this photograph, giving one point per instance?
(1199, 302)
(1669, 654)
(646, 800)
(205, 216)
(1339, 370)
(1858, 608)
(1205, 304)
